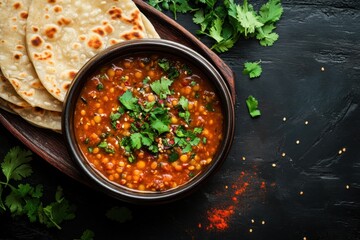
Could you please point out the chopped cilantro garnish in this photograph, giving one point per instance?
(252, 105)
(184, 103)
(173, 156)
(128, 100)
(185, 115)
(100, 86)
(161, 87)
(209, 107)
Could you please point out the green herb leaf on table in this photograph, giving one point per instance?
(226, 21)
(87, 235)
(252, 105)
(253, 69)
(15, 165)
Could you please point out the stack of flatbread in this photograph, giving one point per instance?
(43, 44)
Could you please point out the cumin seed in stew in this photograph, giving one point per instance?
(148, 122)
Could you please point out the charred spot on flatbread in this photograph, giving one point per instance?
(36, 41)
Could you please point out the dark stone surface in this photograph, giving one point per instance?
(313, 34)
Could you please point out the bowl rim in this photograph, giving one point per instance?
(142, 45)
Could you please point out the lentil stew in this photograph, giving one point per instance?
(148, 122)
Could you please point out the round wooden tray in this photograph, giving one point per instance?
(50, 145)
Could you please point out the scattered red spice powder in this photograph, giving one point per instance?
(219, 218)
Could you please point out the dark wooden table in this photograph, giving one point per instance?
(293, 173)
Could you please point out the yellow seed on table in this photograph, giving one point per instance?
(111, 178)
(153, 165)
(136, 178)
(191, 168)
(141, 155)
(106, 98)
(174, 102)
(141, 164)
(105, 160)
(83, 112)
(196, 87)
(128, 178)
(97, 119)
(97, 105)
(112, 90)
(121, 164)
(141, 187)
(86, 127)
(198, 166)
(116, 176)
(208, 160)
(184, 158)
(100, 111)
(98, 156)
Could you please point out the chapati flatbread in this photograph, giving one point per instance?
(62, 35)
(39, 117)
(8, 93)
(14, 61)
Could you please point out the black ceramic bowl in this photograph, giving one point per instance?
(147, 46)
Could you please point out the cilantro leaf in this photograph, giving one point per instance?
(247, 18)
(184, 103)
(185, 115)
(15, 165)
(159, 126)
(252, 105)
(135, 140)
(161, 87)
(56, 212)
(216, 29)
(128, 100)
(119, 214)
(87, 235)
(173, 156)
(266, 36)
(253, 69)
(270, 12)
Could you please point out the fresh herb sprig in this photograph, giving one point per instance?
(24, 199)
(225, 22)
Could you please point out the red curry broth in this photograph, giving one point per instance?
(148, 123)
